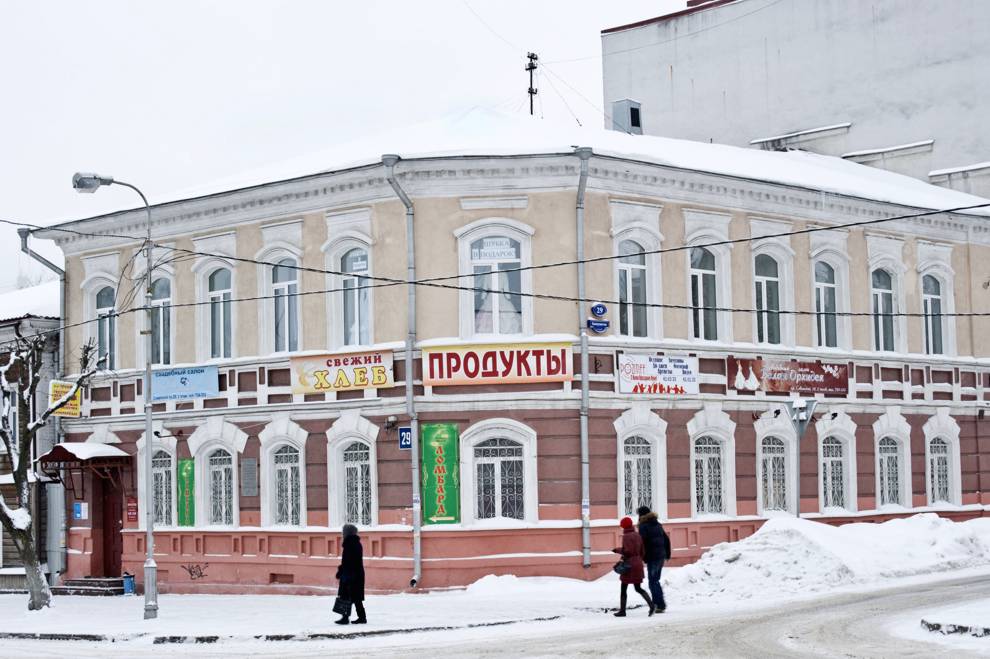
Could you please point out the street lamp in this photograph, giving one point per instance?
(87, 182)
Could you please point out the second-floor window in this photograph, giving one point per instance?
(106, 327)
(883, 310)
(356, 294)
(703, 296)
(161, 321)
(825, 306)
(932, 302)
(498, 285)
(632, 289)
(285, 289)
(767, 299)
(220, 326)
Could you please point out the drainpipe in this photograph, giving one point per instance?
(57, 489)
(389, 161)
(583, 153)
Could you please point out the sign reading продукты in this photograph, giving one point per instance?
(405, 438)
(658, 375)
(441, 474)
(497, 364)
(185, 383)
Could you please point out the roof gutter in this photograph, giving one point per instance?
(389, 160)
(583, 153)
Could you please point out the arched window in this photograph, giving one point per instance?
(106, 327)
(162, 476)
(288, 502)
(220, 492)
(932, 302)
(825, 305)
(285, 290)
(883, 309)
(357, 487)
(939, 459)
(497, 299)
(703, 297)
(889, 469)
(220, 294)
(708, 476)
(773, 474)
(356, 297)
(499, 482)
(833, 474)
(637, 473)
(767, 299)
(632, 276)
(161, 321)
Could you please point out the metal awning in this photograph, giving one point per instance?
(101, 460)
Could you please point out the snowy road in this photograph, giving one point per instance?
(850, 625)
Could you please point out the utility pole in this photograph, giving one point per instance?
(531, 67)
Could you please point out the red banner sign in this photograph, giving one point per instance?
(786, 376)
(132, 509)
(497, 364)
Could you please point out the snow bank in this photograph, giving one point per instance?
(789, 556)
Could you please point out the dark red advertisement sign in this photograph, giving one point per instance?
(132, 509)
(784, 376)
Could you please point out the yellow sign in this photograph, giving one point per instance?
(319, 373)
(59, 389)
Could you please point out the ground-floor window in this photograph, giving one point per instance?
(708, 476)
(221, 488)
(357, 477)
(637, 474)
(773, 474)
(288, 504)
(889, 468)
(938, 470)
(499, 480)
(162, 478)
(833, 474)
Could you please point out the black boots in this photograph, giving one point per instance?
(344, 620)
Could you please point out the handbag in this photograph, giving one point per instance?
(621, 567)
(342, 606)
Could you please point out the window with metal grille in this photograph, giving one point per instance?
(773, 474)
(883, 308)
(833, 473)
(220, 321)
(767, 300)
(498, 282)
(162, 479)
(708, 475)
(106, 328)
(637, 474)
(288, 507)
(357, 483)
(890, 462)
(825, 305)
(703, 296)
(220, 474)
(161, 321)
(632, 276)
(938, 469)
(356, 294)
(499, 479)
(932, 302)
(285, 290)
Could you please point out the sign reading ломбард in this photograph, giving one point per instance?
(441, 474)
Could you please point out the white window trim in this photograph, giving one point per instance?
(202, 270)
(712, 421)
(701, 229)
(893, 425)
(90, 287)
(945, 276)
(840, 426)
(350, 427)
(779, 427)
(273, 253)
(650, 240)
(784, 256)
(640, 421)
(887, 254)
(944, 427)
(282, 431)
(830, 247)
(216, 433)
(499, 428)
(493, 226)
(333, 250)
(164, 441)
(141, 323)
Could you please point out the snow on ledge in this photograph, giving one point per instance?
(88, 450)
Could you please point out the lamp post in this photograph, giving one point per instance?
(83, 182)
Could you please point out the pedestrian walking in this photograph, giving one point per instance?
(630, 568)
(350, 574)
(656, 548)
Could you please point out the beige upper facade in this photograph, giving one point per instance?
(478, 213)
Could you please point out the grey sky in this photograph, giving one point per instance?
(172, 94)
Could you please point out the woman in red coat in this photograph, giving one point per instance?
(632, 554)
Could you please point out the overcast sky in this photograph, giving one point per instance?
(170, 95)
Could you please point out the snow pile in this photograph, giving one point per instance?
(41, 300)
(789, 556)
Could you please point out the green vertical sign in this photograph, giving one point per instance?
(441, 474)
(186, 484)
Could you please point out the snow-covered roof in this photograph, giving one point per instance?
(38, 301)
(482, 132)
(84, 451)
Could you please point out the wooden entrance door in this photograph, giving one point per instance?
(113, 540)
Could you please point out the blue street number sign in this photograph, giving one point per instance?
(597, 326)
(405, 438)
(598, 310)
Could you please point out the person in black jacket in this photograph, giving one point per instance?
(656, 544)
(350, 574)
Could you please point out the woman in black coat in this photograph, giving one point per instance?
(350, 574)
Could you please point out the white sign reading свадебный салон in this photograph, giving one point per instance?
(661, 375)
